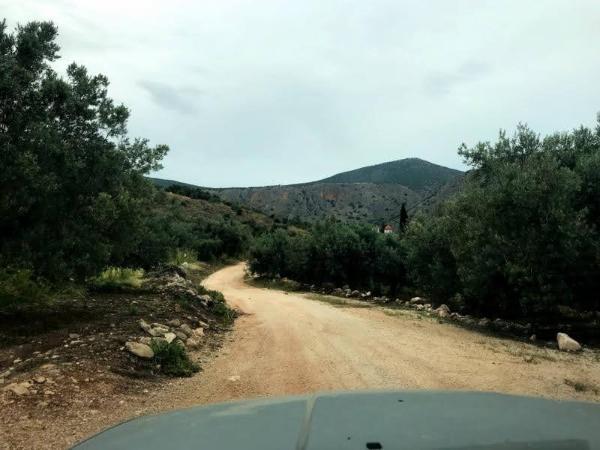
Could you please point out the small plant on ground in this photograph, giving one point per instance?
(220, 309)
(580, 386)
(173, 359)
(117, 279)
(182, 255)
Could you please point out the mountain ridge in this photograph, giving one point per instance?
(368, 194)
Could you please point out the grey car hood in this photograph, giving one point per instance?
(366, 420)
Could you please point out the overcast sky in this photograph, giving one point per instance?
(261, 92)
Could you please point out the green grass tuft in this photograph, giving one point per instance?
(173, 359)
(117, 279)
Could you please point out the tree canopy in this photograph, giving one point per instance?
(72, 190)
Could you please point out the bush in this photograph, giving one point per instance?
(117, 279)
(173, 359)
(180, 256)
(19, 287)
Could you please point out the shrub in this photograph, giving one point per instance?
(117, 279)
(18, 287)
(180, 256)
(173, 359)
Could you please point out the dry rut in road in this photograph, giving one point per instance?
(288, 344)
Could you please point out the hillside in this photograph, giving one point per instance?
(370, 194)
(414, 173)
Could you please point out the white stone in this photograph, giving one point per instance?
(567, 343)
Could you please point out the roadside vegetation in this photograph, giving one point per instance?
(75, 206)
(519, 240)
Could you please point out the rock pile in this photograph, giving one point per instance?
(174, 331)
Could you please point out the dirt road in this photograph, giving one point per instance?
(288, 344)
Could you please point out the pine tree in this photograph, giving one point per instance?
(403, 218)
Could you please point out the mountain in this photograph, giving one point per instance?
(161, 182)
(414, 173)
(371, 194)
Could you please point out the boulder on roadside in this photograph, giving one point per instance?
(174, 323)
(198, 332)
(484, 322)
(144, 325)
(443, 307)
(192, 342)
(170, 337)
(158, 331)
(566, 343)
(140, 350)
(185, 328)
(442, 313)
(18, 388)
(417, 301)
(181, 335)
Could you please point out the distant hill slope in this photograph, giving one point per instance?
(414, 173)
(369, 194)
(161, 182)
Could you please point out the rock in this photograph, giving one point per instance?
(500, 324)
(170, 337)
(73, 336)
(234, 378)
(444, 308)
(484, 322)
(192, 342)
(205, 298)
(181, 335)
(17, 361)
(144, 325)
(140, 350)
(185, 328)
(442, 313)
(420, 307)
(158, 331)
(18, 388)
(355, 294)
(174, 323)
(528, 358)
(567, 343)
(533, 338)
(417, 301)
(40, 380)
(145, 340)
(198, 332)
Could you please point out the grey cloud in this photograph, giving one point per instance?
(269, 92)
(180, 99)
(441, 83)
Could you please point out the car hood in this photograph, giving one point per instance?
(366, 420)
